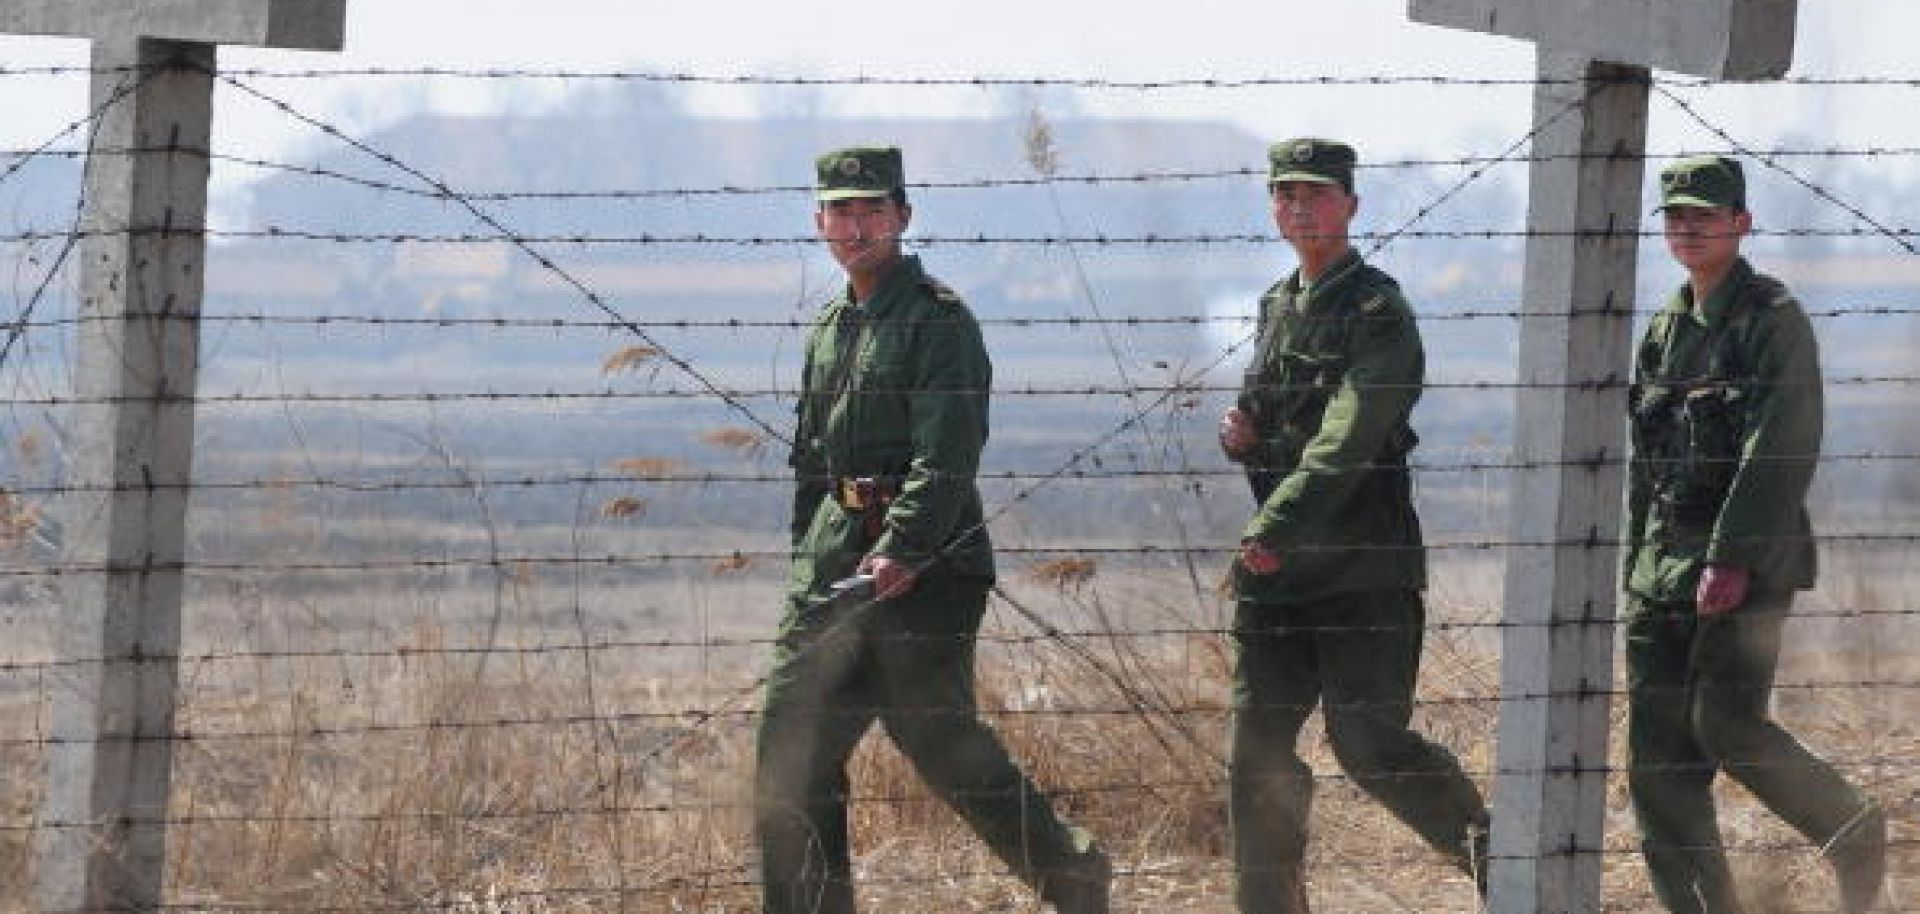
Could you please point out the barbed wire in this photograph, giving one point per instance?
(1343, 779)
(702, 717)
(976, 183)
(1148, 239)
(697, 718)
(1133, 421)
(704, 478)
(710, 558)
(1383, 79)
(787, 393)
(17, 328)
(502, 233)
(409, 653)
(982, 239)
(1896, 235)
(748, 79)
(1069, 322)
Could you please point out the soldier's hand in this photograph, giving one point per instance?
(891, 577)
(1722, 589)
(1259, 557)
(1237, 435)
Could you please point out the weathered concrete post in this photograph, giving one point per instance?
(110, 753)
(1575, 355)
(1575, 347)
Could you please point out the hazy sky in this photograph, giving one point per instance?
(1114, 39)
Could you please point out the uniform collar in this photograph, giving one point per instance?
(905, 275)
(1338, 272)
(1719, 306)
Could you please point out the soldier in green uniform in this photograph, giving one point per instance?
(1331, 567)
(1726, 416)
(892, 419)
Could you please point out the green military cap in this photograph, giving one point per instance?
(1703, 181)
(1310, 159)
(857, 172)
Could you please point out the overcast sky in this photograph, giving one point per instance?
(1112, 39)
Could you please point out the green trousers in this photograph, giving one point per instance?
(1699, 691)
(908, 663)
(1356, 655)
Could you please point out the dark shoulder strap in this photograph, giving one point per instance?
(1756, 303)
(1655, 346)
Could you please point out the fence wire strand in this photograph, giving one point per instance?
(637, 739)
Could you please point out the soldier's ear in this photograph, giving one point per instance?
(1742, 222)
(906, 216)
(1353, 205)
(820, 221)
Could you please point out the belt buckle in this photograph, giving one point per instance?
(853, 495)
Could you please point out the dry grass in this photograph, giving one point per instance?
(18, 519)
(596, 789)
(624, 506)
(744, 442)
(732, 564)
(648, 467)
(1068, 574)
(629, 359)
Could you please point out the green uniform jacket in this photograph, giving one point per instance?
(1335, 377)
(1726, 410)
(897, 389)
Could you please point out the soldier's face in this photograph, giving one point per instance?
(1312, 213)
(1705, 238)
(863, 233)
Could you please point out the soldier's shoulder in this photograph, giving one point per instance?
(1768, 292)
(1772, 310)
(940, 294)
(1376, 294)
(1774, 318)
(940, 306)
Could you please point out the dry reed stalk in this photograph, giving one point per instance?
(731, 564)
(1063, 573)
(629, 359)
(451, 814)
(19, 518)
(744, 442)
(624, 507)
(544, 817)
(648, 467)
(19, 809)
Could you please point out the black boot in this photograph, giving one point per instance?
(1478, 862)
(1859, 857)
(1082, 886)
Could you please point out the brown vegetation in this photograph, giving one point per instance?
(629, 359)
(648, 467)
(624, 506)
(539, 782)
(741, 441)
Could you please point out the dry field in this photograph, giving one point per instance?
(389, 764)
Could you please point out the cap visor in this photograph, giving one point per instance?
(1306, 176)
(1686, 201)
(850, 193)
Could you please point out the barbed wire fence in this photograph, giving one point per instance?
(483, 581)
